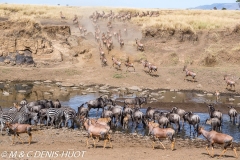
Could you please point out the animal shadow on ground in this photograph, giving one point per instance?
(151, 74)
(231, 90)
(191, 80)
(217, 155)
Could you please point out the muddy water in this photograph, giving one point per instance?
(11, 92)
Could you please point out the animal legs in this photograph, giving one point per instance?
(30, 139)
(162, 145)
(153, 143)
(173, 144)
(208, 150)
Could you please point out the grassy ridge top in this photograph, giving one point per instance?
(184, 19)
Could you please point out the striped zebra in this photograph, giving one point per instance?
(69, 114)
(61, 115)
(56, 115)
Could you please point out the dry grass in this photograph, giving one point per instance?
(169, 19)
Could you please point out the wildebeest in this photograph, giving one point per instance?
(232, 114)
(117, 113)
(149, 113)
(213, 113)
(135, 101)
(97, 103)
(193, 120)
(174, 118)
(137, 118)
(180, 112)
(82, 111)
(215, 123)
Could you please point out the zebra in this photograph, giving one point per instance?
(69, 114)
(56, 114)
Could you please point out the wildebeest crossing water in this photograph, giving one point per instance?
(75, 96)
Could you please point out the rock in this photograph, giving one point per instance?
(58, 83)
(47, 81)
(22, 91)
(66, 84)
(24, 85)
(47, 93)
(162, 91)
(172, 90)
(199, 95)
(153, 99)
(73, 41)
(76, 88)
(135, 88)
(115, 90)
(154, 94)
(7, 61)
(104, 87)
(199, 86)
(209, 94)
(37, 82)
(103, 91)
(161, 97)
(5, 93)
(56, 56)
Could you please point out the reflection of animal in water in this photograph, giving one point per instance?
(219, 138)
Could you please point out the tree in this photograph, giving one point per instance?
(238, 3)
(224, 8)
(215, 8)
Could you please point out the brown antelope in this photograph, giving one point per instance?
(150, 66)
(217, 94)
(121, 43)
(161, 133)
(103, 60)
(84, 31)
(189, 73)
(16, 129)
(109, 45)
(80, 27)
(128, 65)
(97, 37)
(75, 19)
(116, 62)
(219, 138)
(230, 82)
(125, 121)
(97, 131)
(140, 46)
(61, 15)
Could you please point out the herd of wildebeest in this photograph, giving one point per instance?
(19, 118)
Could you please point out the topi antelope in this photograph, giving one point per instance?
(161, 133)
(129, 65)
(16, 129)
(219, 138)
(116, 62)
(75, 19)
(103, 60)
(189, 73)
(230, 82)
(140, 46)
(61, 15)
